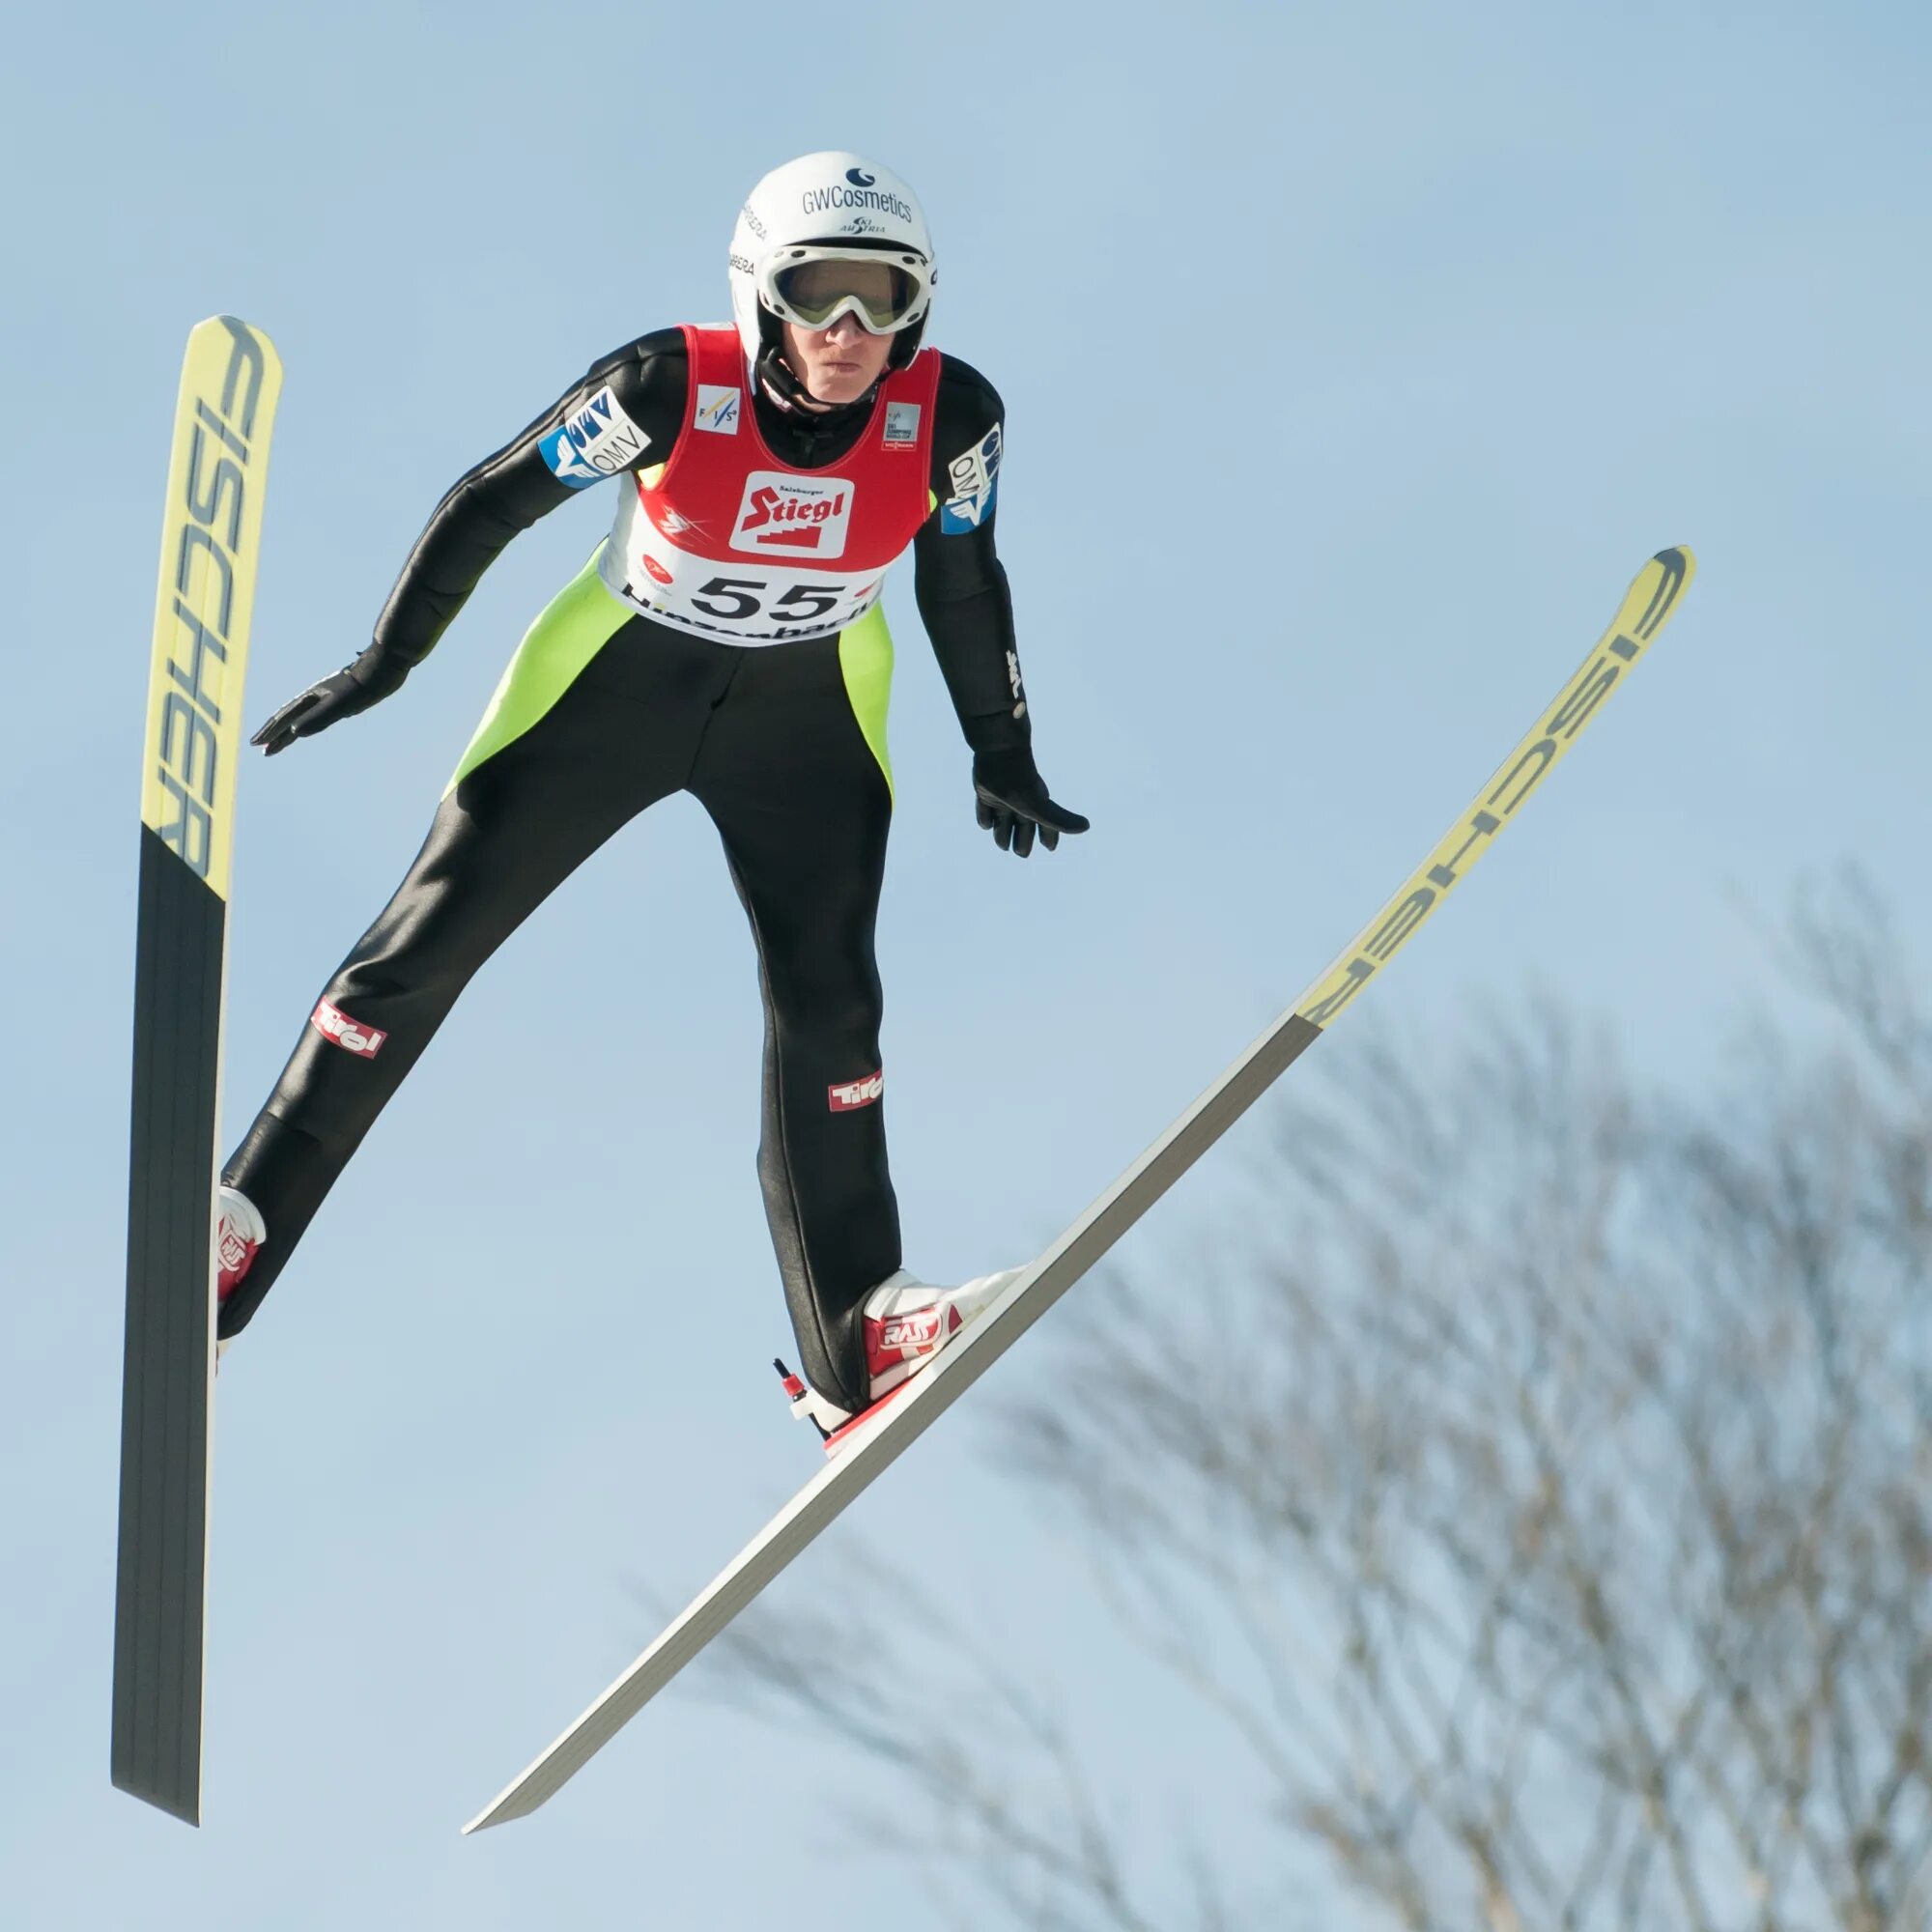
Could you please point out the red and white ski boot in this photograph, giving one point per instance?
(907, 1322)
(239, 1235)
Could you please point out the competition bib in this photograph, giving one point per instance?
(727, 542)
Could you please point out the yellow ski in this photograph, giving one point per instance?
(876, 1444)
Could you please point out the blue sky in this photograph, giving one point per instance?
(1354, 358)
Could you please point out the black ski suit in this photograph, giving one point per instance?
(767, 740)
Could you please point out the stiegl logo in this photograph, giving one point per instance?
(800, 518)
(332, 1023)
(855, 1093)
(209, 520)
(795, 515)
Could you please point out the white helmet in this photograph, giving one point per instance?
(831, 208)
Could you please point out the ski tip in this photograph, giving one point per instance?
(237, 327)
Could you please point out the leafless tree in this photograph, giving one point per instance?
(1543, 1501)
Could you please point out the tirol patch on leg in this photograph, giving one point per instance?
(852, 1095)
(332, 1023)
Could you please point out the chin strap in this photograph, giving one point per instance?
(789, 393)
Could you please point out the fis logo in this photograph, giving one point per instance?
(793, 515)
(903, 425)
(598, 440)
(332, 1023)
(853, 1095)
(718, 408)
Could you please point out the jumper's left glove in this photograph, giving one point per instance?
(1013, 805)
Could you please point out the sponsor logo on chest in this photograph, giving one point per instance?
(718, 408)
(901, 426)
(782, 515)
(673, 522)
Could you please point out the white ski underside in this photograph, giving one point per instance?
(1647, 605)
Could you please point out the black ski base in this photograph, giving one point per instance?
(164, 1399)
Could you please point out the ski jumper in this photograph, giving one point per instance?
(725, 640)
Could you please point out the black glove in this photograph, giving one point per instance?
(1013, 805)
(352, 689)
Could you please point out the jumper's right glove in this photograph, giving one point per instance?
(352, 689)
(1013, 801)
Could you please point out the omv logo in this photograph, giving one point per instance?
(858, 178)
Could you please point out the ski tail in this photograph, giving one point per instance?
(211, 544)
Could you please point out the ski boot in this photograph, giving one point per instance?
(238, 1236)
(907, 1322)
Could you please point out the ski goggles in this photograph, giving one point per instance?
(884, 291)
